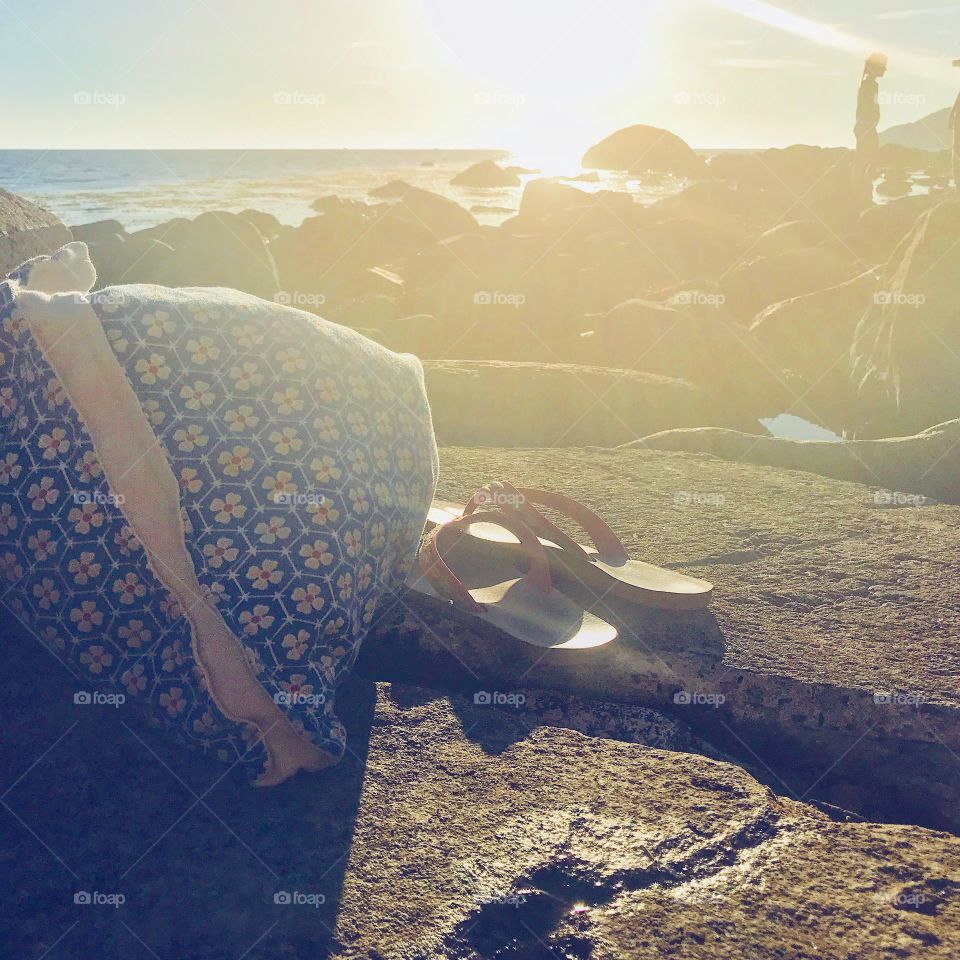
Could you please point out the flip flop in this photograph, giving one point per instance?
(604, 568)
(527, 607)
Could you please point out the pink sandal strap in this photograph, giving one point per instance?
(444, 536)
(521, 500)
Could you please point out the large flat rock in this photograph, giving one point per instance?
(832, 636)
(450, 831)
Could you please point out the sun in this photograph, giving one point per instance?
(539, 68)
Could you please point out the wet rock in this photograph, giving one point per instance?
(486, 173)
(27, 231)
(268, 225)
(427, 216)
(640, 148)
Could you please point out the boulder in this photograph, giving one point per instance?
(908, 470)
(691, 337)
(640, 148)
(99, 231)
(809, 337)
(486, 173)
(546, 197)
(27, 231)
(882, 227)
(216, 249)
(504, 404)
(906, 346)
(758, 281)
(424, 216)
(268, 225)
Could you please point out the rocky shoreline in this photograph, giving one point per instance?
(776, 776)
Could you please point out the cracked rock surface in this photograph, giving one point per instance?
(475, 839)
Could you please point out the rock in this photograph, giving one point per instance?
(453, 829)
(213, 250)
(894, 186)
(591, 177)
(694, 338)
(906, 347)
(268, 225)
(426, 216)
(27, 231)
(521, 171)
(496, 403)
(543, 198)
(883, 226)
(794, 235)
(810, 336)
(757, 281)
(486, 173)
(640, 148)
(99, 231)
(927, 464)
(830, 635)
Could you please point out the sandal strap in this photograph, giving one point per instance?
(610, 548)
(444, 536)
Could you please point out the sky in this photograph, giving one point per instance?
(540, 77)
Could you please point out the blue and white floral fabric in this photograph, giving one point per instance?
(306, 462)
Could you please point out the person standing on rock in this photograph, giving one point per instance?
(955, 126)
(868, 120)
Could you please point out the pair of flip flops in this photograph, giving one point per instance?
(497, 558)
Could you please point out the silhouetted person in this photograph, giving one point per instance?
(868, 120)
(955, 126)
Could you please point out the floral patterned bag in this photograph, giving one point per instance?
(204, 498)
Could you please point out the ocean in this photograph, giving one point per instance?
(142, 188)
